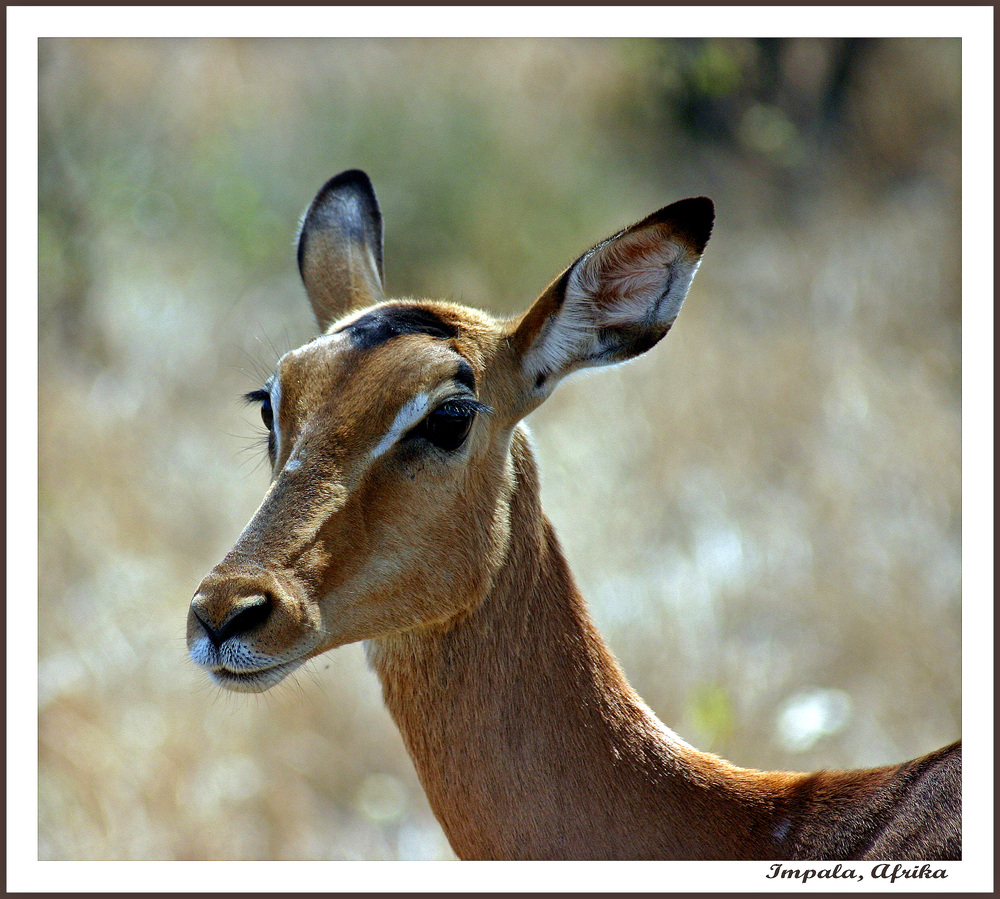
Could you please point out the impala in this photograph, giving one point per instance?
(404, 511)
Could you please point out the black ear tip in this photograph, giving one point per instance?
(694, 217)
(355, 178)
(700, 206)
(690, 219)
(353, 181)
(346, 203)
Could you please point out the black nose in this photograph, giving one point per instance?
(242, 617)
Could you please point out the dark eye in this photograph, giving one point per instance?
(447, 426)
(266, 414)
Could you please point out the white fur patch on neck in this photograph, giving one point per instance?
(412, 411)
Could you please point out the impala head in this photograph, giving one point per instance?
(390, 436)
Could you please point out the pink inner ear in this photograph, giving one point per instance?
(616, 301)
(624, 279)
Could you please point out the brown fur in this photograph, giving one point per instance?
(531, 744)
(527, 737)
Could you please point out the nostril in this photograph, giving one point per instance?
(247, 614)
(205, 625)
(251, 613)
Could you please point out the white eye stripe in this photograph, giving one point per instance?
(411, 412)
(274, 388)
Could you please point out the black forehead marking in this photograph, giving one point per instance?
(376, 327)
(466, 376)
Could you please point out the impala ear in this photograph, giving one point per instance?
(617, 300)
(340, 248)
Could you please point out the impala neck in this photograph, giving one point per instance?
(529, 741)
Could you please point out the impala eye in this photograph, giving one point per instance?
(266, 413)
(449, 424)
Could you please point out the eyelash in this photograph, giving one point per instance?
(448, 426)
(263, 397)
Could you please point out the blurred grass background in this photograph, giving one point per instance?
(764, 512)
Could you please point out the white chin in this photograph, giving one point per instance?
(253, 681)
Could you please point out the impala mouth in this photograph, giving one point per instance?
(253, 681)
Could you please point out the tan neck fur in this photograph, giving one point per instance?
(528, 739)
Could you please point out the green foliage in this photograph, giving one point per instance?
(711, 715)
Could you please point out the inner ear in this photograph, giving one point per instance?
(340, 248)
(617, 300)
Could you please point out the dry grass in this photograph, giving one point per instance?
(765, 512)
